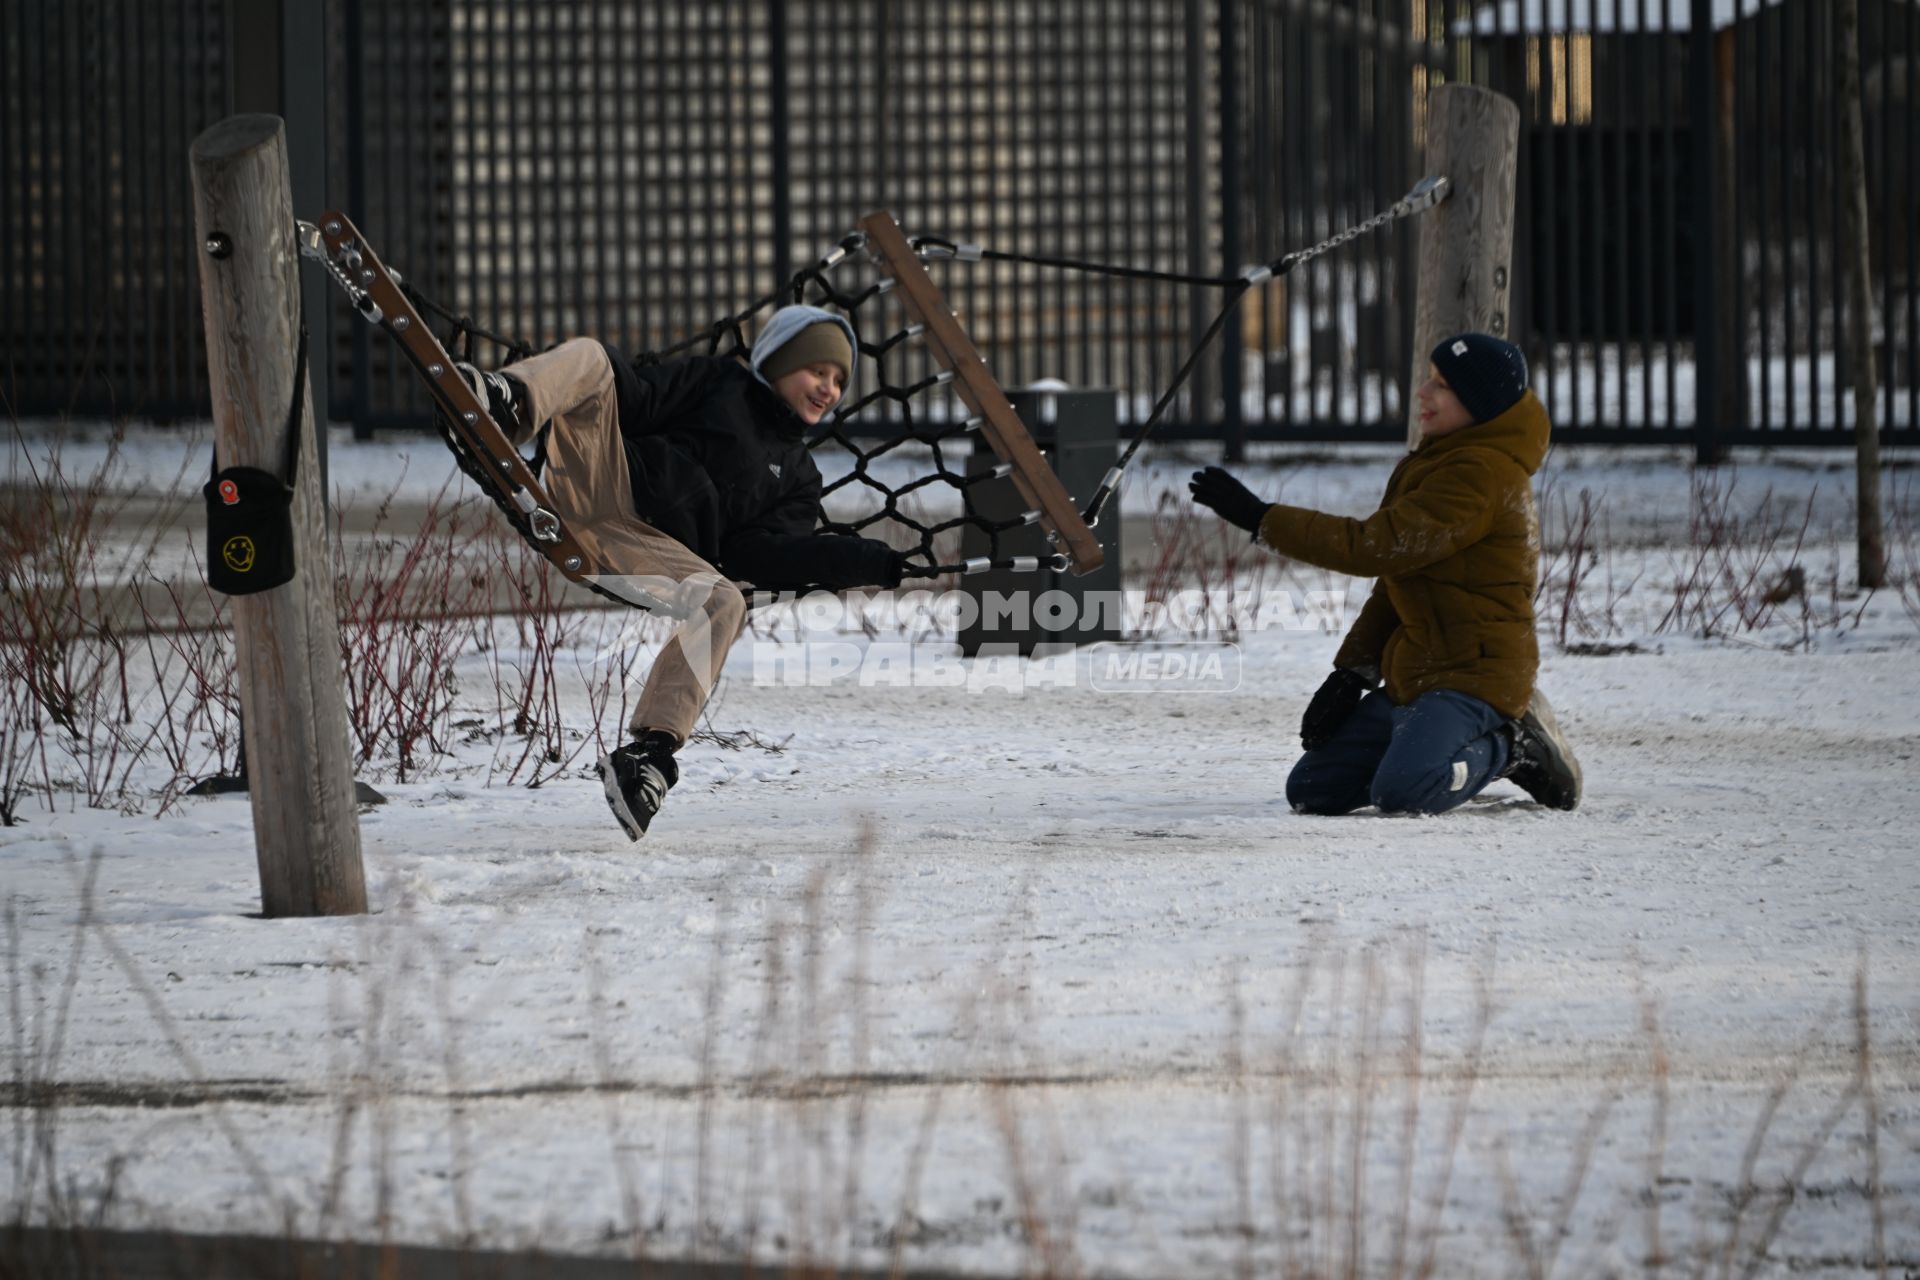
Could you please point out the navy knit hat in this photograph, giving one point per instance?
(1488, 375)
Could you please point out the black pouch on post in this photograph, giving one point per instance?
(250, 513)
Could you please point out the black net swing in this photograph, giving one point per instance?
(907, 449)
(902, 387)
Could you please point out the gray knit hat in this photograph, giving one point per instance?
(1487, 374)
(799, 336)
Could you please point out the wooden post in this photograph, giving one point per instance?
(1000, 426)
(286, 640)
(1466, 242)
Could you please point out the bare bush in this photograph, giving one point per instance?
(70, 545)
(1904, 545)
(21, 738)
(404, 599)
(1722, 580)
(1747, 571)
(1580, 589)
(526, 681)
(196, 727)
(1216, 567)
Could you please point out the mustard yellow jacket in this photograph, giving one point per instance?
(1456, 548)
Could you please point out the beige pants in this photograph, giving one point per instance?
(586, 476)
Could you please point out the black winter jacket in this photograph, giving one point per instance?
(720, 464)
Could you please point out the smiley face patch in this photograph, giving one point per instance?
(238, 552)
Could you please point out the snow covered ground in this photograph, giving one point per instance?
(1006, 971)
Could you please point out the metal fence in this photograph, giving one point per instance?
(99, 300)
(635, 169)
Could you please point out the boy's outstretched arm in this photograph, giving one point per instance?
(1451, 509)
(782, 548)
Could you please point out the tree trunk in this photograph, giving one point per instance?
(1857, 265)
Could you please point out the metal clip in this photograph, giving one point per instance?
(1426, 193)
(853, 243)
(307, 236)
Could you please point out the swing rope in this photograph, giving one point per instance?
(1425, 194)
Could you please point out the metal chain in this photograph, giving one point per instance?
(1427, 193)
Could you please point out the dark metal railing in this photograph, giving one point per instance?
(635, 170)
(99, 296)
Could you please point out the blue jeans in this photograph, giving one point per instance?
(1432, 755)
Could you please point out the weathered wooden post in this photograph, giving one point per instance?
(1466, 242)
(286, 640)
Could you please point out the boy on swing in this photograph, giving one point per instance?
(680, 478)
(1432, 695)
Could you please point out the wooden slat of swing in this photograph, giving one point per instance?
(465, 413)
(1039, 487)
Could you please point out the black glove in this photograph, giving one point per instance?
(1338, 695)
(1235, 502)
(894, 569)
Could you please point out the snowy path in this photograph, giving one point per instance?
(1063, 893)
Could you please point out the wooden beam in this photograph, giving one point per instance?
(378, 295)
(1038, 486)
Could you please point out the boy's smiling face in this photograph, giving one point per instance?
(812, 390)
(1441, 412)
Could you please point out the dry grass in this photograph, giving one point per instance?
(117, 685)
(1752, 569)
(121, 697)
(1346, 1131)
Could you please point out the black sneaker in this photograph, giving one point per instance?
(636, 778)
(496, 391)
(1542, 764)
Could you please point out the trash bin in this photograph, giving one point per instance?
(1077, 432)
